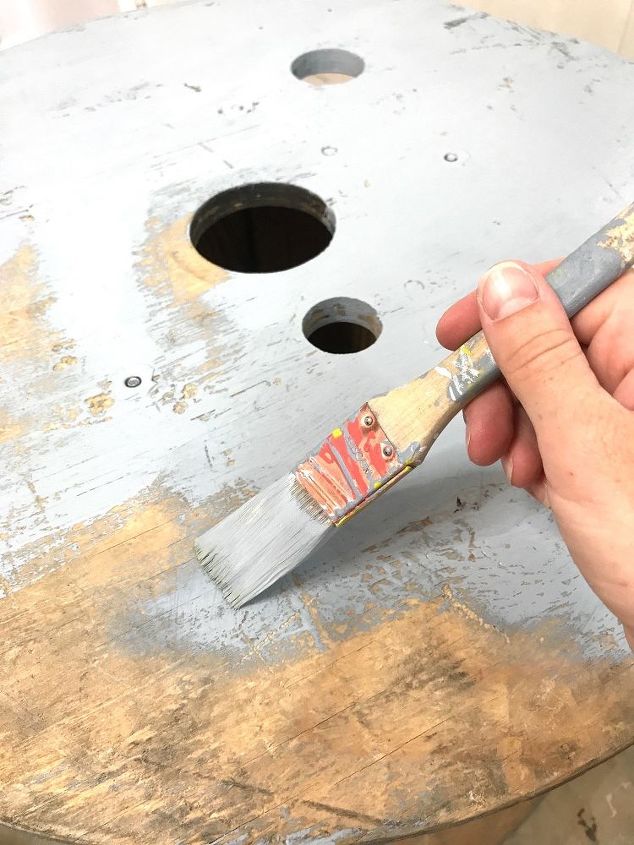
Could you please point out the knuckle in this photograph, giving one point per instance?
(542, 354)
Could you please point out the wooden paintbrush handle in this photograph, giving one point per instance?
(413, 415)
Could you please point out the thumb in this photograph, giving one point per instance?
(535, 348)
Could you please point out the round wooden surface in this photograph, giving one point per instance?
(442, 657)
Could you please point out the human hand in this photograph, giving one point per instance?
(562, 422)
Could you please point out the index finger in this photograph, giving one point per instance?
(462, 320)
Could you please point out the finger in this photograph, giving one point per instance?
(544, 267)
(533, 343)
(522, 463)
(611, 353)
(589, 320)
(624, 393)
(490, 425)
(459, 322)
(462, 320)
(539, 491)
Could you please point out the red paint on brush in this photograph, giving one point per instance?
(348, 466)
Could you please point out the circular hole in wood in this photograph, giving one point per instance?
(327, 67)
(341, 325)
(262, 228)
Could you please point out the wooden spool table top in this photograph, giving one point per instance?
(442, 658)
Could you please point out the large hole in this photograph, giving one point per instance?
(341, 325)
(327, 67)
(262, 228)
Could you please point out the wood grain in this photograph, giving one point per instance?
(109, 738)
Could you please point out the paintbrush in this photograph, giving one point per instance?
(387, 438)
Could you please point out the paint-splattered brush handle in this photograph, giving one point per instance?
(413, 415)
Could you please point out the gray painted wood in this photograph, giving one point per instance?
(112, 136)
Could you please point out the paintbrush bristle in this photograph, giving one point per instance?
(262, 540)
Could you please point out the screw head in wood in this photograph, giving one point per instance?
(367, 421)
(132, 381)
(388, 450)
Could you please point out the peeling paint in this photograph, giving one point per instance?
(23, 305)
(99, 403)
(64, 362)
(621, 239)
(378, 709)
(171, 264)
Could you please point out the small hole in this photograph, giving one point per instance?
(327, 67)
(262, 228)
(342, 338)
(451, 157)
(341, 325)
(133, 381)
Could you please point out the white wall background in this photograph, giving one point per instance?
(609, 23)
